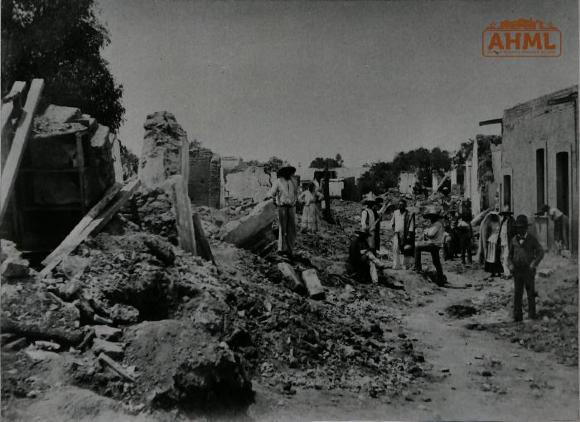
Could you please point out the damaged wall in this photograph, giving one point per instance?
(252, 182)
(67, 166)
(161, 153)
(206, 180)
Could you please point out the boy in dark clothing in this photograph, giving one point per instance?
(524, 257)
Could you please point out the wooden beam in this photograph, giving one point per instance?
(110, 208)
(201, 242)
(491, 122)
(10, 170)
(183, 215)
(11, 104)
(70, 240)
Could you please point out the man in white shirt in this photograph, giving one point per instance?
(403, 226)
(367, 219)
(561, 224)
(284, 192)
(433, 242)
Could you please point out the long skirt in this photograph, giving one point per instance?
(310, 218)
(493, 259)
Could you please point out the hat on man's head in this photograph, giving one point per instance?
(286, 170)
(506, 210)
(369, 198)
(521, 221)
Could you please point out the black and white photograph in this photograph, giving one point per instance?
(289, 210)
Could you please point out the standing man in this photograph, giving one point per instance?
(506, 234)
(404, 233)
(284, 192)
(561, 224)
(524, 257)
(367, 219)
(465, 237)
(433, 242)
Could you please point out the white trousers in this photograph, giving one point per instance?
(398, 257)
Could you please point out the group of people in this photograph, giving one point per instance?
(510, 249)
(286, 195)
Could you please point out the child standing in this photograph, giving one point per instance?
(524, 257)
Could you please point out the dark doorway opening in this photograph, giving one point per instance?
(507, 190)
(562, 183)
(540, 178)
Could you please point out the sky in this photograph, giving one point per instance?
(302, 79)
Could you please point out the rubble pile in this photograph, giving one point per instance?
(12, 265)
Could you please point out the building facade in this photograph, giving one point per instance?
(540, 160)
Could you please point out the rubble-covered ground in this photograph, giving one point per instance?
(191, 339)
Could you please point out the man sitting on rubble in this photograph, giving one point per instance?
(434, 236)
(362, 260)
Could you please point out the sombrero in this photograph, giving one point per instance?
(521, 221)
(286, 169)
(369, 198)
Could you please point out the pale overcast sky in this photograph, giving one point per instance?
(305, 79)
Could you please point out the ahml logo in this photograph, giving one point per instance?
(521, 38)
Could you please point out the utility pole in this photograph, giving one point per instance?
(327, 215)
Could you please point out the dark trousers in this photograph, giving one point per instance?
(524, 279)
(434, 251)
(465, 246)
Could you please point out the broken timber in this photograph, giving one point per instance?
(11, 107)
(183, 215)
(95, 220)
(115, 367)
(202, 244)
(10, 171)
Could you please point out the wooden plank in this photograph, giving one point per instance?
(21, 135)
(70, 240)
(11, 103)
(312, 283)
(201, 242)
(115, 367)
(183, 215)
(117, 163)
(94, 226)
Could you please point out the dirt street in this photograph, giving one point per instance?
(476, 375)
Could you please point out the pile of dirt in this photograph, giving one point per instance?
(152, 210)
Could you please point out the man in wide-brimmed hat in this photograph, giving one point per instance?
(403, 226)
(524, 257)
(368, 219)
(285, 194)
(434, 236)
(506, 233)
(362, 259)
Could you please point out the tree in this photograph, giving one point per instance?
(60, 41)
(379, 178)
(273, 165)
(320, 163)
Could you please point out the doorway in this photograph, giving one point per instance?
(562, 183)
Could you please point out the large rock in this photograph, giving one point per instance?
(12, 265)
(251, 229)
(180, 364)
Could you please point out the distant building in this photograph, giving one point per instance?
(407, 181)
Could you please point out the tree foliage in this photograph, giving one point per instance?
(320, 163)
(384, 175)
(60, 41)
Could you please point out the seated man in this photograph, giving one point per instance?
(362, 260)
(434, 236)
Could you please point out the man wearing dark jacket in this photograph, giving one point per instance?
(524, 256)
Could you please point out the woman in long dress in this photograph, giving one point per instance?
(310, 214)
(492, 257)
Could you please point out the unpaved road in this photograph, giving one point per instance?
(517, 384)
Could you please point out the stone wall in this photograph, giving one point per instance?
(253, 182)
(205, 184)
(162, 146)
